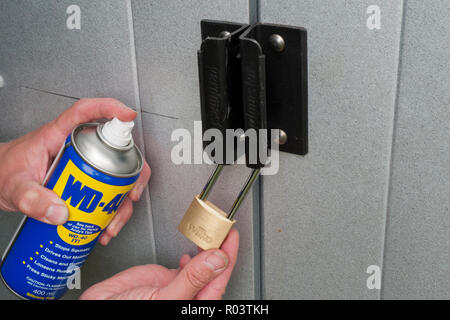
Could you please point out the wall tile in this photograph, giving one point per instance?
(417, 256)
(324, 213)
(38, 50)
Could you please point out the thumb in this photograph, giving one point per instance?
(40, 203)
(200, 271)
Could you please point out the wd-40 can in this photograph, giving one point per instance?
(93, 173)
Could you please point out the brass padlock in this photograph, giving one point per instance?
(204, 223)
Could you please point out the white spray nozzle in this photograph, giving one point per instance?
(118, 133)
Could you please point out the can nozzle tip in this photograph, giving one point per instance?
(117, 132)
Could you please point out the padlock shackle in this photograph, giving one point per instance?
(242, 194)
(248, 185)
(211, 181)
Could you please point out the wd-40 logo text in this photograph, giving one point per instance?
(87, 199)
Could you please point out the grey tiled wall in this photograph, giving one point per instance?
(373, 189)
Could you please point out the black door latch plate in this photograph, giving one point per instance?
(255, 77)
(274, 71)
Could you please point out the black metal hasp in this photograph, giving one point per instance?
(275, 83)
(255, 77)
(219, 68)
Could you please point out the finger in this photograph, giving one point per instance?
(184, 261)
(138, 293)
(104, 239)
(85, 110)
(40, 203)
(120, 219)
(201, 270)
(125, 211)
(123, 284)
(141, 182)
(150, 275)
(216, 288)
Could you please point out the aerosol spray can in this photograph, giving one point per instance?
(93, 173)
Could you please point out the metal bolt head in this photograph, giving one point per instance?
(282, 138)
(224, 34)
(2, 82)
(277, 42)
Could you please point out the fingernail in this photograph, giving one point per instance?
(56, 214)
(115, 227)
(105, 239)
(216, 261)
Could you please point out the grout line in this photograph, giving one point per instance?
(50, 92)
(160, 114)
(261, 239)
(257, 239)
(140, 128)
(255, 13)
(391, 152)
(258, 209)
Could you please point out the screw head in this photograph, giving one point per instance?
(224, 33)
(277, 42)
(2, 82)
(282, 137)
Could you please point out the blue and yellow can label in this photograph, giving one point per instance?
(43, 257)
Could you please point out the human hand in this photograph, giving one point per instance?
(203, 277)
(25, 161)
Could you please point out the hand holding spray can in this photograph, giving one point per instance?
(93, 173)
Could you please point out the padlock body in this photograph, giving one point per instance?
(205, 224)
